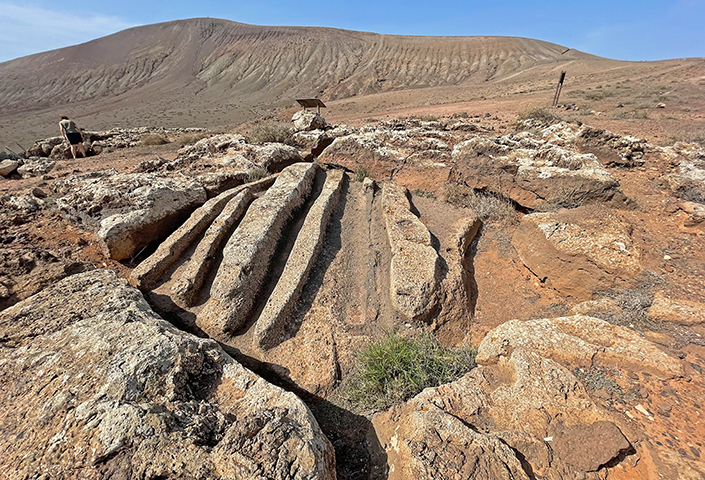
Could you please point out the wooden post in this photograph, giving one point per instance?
(558, 89)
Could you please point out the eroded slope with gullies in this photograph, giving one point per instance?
(211, 57)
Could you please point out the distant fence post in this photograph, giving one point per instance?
(558, 89)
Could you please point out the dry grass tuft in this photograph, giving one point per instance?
(153, 139)
(488, 206)
(272, 132)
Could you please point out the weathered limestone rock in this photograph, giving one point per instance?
(129, 211)
(577, 251)
(457, 294)
(688, 182)
(147, 272)
(579, 341)
(305, 120)
(366, 150)
(190, 281)
(35, 167)
(271, 322)
(462, 429)
(276, 156)
(696, 212)
(415, 263)
(531, 171)
(683, 312)
(8, 166)
(98, 386)
(247, 254)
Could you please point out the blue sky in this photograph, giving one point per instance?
(626, 30)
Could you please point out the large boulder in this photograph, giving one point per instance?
(98, 386)
(128, 211)
(305, 120)
(35, 167)
(8, 166)
(577, 251)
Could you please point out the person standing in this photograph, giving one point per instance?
(72, 134)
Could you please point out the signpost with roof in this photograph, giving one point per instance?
(311, 102)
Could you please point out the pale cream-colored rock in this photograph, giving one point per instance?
(98, 386)
(272, 321)
(186, 288)
(593, 307)
(305, 120)
(683, 312)
(696, 211)
(247, 254)
(579, 341)
(8, 166)
(414, 269)
(35, 167)
(168, 252)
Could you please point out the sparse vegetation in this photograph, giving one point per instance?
(153, 139)
(541, 115)
(428, 118)
(636, 114)
(394, 369)
(272, 132)
(461, 115)
(422, 193)
(361, 173)
(191, 138)
(8, 156)
(256, 173)
(490, 207)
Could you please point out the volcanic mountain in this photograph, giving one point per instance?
(214, 73)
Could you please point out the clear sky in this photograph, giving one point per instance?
(621, 29)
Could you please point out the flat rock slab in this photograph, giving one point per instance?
(581, 341)
(271, 322)
(249, 251)
(98, 386)
(415, 263)
(586, 448)
(577, 251)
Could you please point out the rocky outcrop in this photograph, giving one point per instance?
(128, 211)
(249, 250)
(414, 273)
(580, 341)
(577, 251)
(499, 421)
(367, 150)
(35, 167)
(97, 386)
(306, 120)
(271, 322)
(146, 273)
(530, 171)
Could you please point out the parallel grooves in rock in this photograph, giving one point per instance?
(415, 264)
(247, 255)
(148, 272)
(270, 323)
(186, 288)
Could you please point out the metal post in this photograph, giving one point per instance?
(558, 89)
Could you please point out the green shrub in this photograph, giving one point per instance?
(153, 139)
(272, 132)
(361, 173)
(393, 369)
(8, 156)
(191, 138)
(488, 206)
(422, 193)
